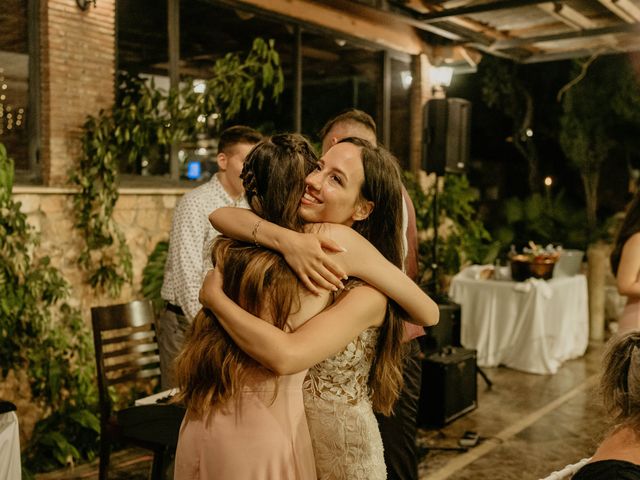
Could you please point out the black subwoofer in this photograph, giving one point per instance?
(447, 133)
(446, 333)
(449, 388)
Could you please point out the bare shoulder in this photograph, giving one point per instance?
(341, 233)
(631, 249)
(363, 299)
(633, 241)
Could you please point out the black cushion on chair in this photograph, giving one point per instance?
(152, 423)
(6, 406)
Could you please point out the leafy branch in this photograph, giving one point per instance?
(139, 126)
(462, 237)
(42, 335)
(503, 88)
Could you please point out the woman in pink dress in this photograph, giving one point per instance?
(625, 262)
(242, 420)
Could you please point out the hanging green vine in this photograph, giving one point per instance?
(462, 236)
(43, 336)
(143, 120)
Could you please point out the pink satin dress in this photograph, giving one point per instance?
(259, 438)
(630, 318)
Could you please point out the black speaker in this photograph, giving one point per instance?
(449, 388)
(446, 136)
(445, 333)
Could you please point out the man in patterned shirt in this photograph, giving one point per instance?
(190, 243)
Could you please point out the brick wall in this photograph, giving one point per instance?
(77, 78)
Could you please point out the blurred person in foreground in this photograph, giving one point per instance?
(618, 456)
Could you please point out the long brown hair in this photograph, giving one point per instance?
(620, 382)
(211, 369)
(383, 228)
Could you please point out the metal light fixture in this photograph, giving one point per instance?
(440, 79)
(441, 76)
(84, 4)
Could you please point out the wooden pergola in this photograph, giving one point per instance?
(457, 31)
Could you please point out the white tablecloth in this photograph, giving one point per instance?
(531, 326)
(9, 447)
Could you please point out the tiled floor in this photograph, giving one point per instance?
(529, 426)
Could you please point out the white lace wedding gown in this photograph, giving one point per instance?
(344, 432)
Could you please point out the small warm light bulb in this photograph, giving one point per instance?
(548, 181)
(529, 133)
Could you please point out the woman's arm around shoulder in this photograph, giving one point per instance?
(304, 253)
(364, 261)
(319, 338)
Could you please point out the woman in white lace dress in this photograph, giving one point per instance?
(357, 340)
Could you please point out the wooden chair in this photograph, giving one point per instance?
(127, 353)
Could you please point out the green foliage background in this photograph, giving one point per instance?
(466, 240)
(143, 121)
(543, 219)
(42, 334)
(153, 274)
(600, 115)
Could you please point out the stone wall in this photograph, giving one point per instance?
(144, 215)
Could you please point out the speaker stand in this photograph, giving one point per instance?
(434, 286)
(484, 376)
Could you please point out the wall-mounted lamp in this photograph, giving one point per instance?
(441, 76)
(84, 4)
(440, 79)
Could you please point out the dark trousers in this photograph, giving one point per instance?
(171, 329)
(399, 430)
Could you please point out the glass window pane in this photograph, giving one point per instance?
(400, 101)
(14, 80)
(235, 30)
(143, 41)
(143, 50)
(336, 75)
(207, 33)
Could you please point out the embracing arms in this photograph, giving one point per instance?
(319, 338)
(314, 268)
(304, 254)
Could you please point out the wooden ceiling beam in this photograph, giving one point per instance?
(581, 53)
(593, 32)
(392, 34)
(414, 8)
(482, 8)
(624, 9)
(567, 15)
(616, 10)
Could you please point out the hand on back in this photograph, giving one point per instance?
(306, 254)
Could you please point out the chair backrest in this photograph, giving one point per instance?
(126, 349)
